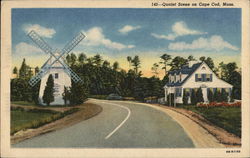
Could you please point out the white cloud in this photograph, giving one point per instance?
(95, 37)
(215, 42)
(178, 29)
(25, 49)
(42, 31)
(128, 28)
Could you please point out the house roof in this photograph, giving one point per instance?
(184, 70)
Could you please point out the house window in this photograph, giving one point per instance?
(209, 77)
(203, 77)
(198, 77)
(56, 75)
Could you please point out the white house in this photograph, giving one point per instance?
(193, 76)
(61, 79)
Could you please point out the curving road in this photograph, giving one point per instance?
(121, 124)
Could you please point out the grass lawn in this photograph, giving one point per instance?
(228, 118)
(24, 103)
(33, 118)
(21, 118)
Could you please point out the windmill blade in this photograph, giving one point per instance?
(40, 42)
(73, 75)
(34, 80)
(71, 45)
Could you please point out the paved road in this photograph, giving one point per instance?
(120, 125)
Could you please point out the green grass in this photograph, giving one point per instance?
(24, 103)
(24, 119)
(98, 96)
(228, 118)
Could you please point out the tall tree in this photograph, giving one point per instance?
(165, 58)
(136, 63)
(48, 94)
(97, 60)
(129, 59)
(73, 59)
(23, 71)
(81, 58)
(191, 58)
(106, 64)
(155, 69)
(115, 66)
(202, 58)
(178, 62)
(36, 70)
(15, 70)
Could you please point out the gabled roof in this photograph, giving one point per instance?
(184, 70)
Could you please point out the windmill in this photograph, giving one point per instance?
(56, 66)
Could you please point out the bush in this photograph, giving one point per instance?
(219, 104)
(210, 95)
(185, 97)
(193, 97)
(224, 95)
(170, 99)
(199, 96)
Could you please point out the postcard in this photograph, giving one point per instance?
(125, 78)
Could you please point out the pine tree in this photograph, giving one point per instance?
(193, 97)
(23, 70)
(185, 97)
(48, 94)
(224, 95)
(210, 96)
(78, 93)
(215, 95)
(199, 95)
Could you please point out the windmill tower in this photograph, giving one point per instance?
(55, 65)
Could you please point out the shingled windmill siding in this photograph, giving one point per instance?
(194, 76)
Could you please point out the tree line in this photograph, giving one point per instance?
(100, 77)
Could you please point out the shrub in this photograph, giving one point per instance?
(210, 96)
(219, 104)
(199, 96)
(185, 97)
(224, 95)
(193, 97)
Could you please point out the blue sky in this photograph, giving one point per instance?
(116, 33)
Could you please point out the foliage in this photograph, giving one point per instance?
(228, 118)
(199, 96)
(170, 99)
(78, 94)
(193, 97)
(155, 69)
(178, 62)
(210, 95)
(66, 95)
(185, 97)
(219, 104)
(22, 119)
(224, 95)
(230, 74)
(48, 94)
(165, 59)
